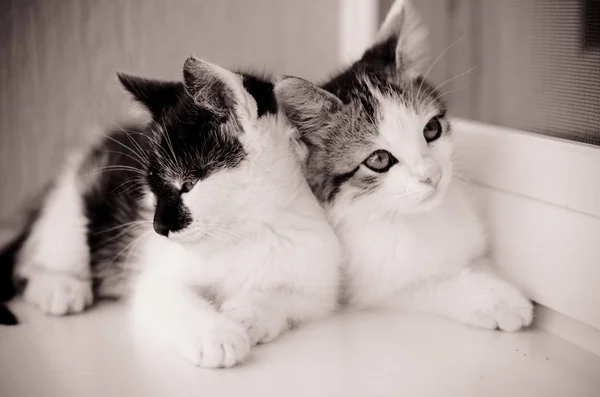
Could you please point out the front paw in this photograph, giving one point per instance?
(261, 325)
(58, 294)
(220, 343)
(495, 304)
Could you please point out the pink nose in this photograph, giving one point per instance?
(428, 171)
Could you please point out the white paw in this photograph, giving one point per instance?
(221, 344)
(58, 294)
(261, 326)
(498, 305)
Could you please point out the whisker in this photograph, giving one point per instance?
(120, 168)
(436, 61)
(455, 77)
(134, 188)
(141, 159)
(137, 145)
(128, 246)
(142, 163)
(453, 91)
(129, 229)
(121, 226)
(163, 130)
(134, 179)
(120, 128)
(137, 241)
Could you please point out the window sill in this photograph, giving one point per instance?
(541, 198)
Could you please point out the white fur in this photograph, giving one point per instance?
(55, 257)
(419, 245)
(258, 256)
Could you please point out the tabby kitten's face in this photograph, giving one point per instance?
(377, 138)
(200, 167)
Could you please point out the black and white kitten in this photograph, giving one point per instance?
(378, 156)
(204, 216)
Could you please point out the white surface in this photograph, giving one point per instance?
(540, 196)
(576, 332)
(357, 354)
(556, 171)
(552, 252)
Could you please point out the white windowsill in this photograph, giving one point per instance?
(350, 354)
(541, 198)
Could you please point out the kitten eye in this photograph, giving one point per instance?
(188, 185)
(380, 161)
(433, 130)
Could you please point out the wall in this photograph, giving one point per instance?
(58, 60)
(527, 64)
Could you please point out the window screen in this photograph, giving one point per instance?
(526, 64)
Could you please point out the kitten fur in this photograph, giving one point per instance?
(203, 218)
(409, 229)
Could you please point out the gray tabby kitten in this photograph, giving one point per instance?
(377, 153)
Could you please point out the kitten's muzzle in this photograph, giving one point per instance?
(161, 222)
(168, 217)
(161, 228)
(427, 171)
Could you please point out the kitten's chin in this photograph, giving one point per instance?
(428, 202)
(187, 238)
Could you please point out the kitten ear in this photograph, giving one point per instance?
(155, 95)
(401, 41)
(217, 88)
(305, 105)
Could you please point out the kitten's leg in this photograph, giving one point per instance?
(476, 296)
(176, 313)
(55, 259)
(267, 314)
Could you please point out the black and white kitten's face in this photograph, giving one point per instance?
(376, 135)
(199, 171)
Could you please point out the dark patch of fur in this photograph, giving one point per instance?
(154, 94)
(349, 87)
(366, 184)
(8, 285)
(336, 183)
(381, 56)
(112, 198)
(7, 317)
(262, 92)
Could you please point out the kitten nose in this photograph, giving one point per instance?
(161, 228)
(162, 223)
(428, 171)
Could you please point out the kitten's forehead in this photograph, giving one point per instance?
(415, 94)
(400, 128)
(373, 103)
(194, 142)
